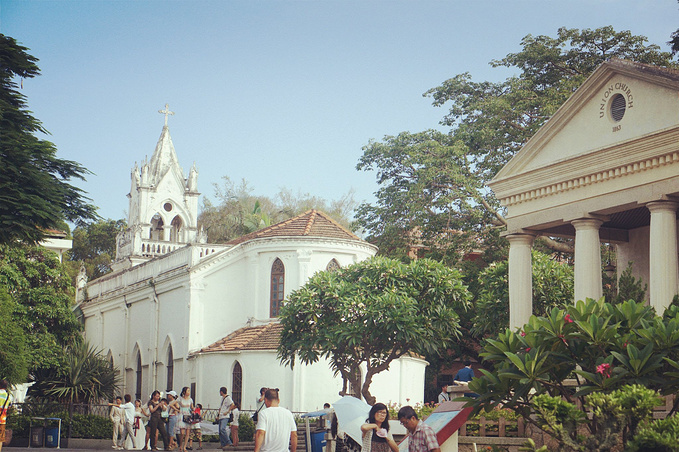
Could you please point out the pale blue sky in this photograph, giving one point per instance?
(281, 93)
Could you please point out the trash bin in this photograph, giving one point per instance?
(37, 436)
(318, 441)
(51, 437)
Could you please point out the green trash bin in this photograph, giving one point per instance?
(37, 436)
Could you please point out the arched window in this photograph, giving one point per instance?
(237, 384)
(176, 231)
(137, 392)
(332, 266)
(157, 228)
(170, 368)
(277, 287)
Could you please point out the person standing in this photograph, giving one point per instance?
(141, 421)
(234, 425)
(466, 374)
(118, 418)
(421, 437)
(444, 396)
(4, 408)
(195, 428)
(223, 417)
(172, 419)
(375, 431)
(156, 422)
(185, 405)
(276, 427)
(128, 422)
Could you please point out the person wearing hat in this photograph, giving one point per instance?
(172, 418)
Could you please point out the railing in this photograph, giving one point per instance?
(500, 428)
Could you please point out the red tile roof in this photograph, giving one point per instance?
(312, 223)
(264, 337)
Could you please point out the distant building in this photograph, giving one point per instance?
(177, 311)
(56, 241)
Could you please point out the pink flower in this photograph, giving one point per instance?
(523, 334)
(568, 318)
(527, 349)
(604, 369)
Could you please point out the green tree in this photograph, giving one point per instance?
(42, 293)
(94, 244)
(370, 314)
(238, 211)
(36, 194)
(434, 184)
(13, 364)
(552, 287)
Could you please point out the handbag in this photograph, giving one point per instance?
(230, 417)
(255, 416)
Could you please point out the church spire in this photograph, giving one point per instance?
(164, 157)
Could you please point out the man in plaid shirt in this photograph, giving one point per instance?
(421, 437)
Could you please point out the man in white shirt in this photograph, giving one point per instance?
(225, 409)
(128, 419)
(276, 427)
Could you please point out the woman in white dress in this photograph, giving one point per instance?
(141, 429)
(185, 405)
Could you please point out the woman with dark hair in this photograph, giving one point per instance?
(185, 405)
(156, 423)
(376, 436)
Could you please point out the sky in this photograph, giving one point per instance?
(283, 94)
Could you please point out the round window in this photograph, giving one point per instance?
(167, 207)
(618, 106)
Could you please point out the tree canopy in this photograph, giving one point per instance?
(42, 297)
(36, 194)
(371, 313)
(238, 211)
(13, 364)
(94, 244)
(433, 184)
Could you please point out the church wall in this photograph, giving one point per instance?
(635, 251)
(304, 388)
(403, 383)
(224, 301)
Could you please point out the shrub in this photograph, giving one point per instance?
(246, 428)
(661, 435)
(88, 426)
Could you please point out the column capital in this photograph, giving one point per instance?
(587, 223)
(662, 206)
(522, 238)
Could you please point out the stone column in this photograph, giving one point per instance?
(588, 282)
(662, 254)
(520, 279)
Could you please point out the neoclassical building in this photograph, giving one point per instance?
(604, 168)
(177, 311)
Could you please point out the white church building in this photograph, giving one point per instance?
(177, 311)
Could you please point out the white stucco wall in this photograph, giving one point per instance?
(305, 388)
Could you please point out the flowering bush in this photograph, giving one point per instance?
(423, 410)
(601, 346)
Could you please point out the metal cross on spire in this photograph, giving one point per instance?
(166, 112)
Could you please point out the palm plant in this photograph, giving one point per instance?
(87, 377)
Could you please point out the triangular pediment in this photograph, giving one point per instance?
(620, 103)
